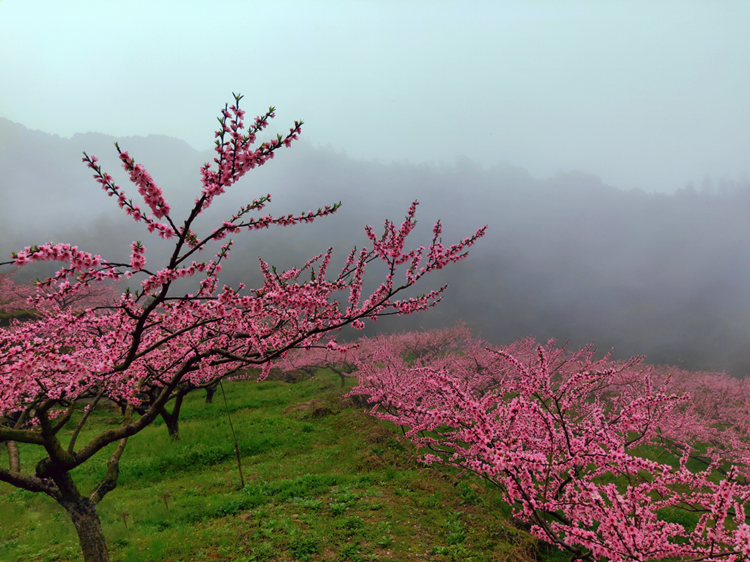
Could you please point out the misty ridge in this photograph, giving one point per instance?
(567, 257)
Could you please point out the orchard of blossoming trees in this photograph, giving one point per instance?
(596, 455)
(139, 349)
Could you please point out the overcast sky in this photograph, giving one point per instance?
(645, 94)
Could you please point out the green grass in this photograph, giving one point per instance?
(338, 487)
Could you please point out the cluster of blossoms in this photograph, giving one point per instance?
(151, 194)
(57, 252)
(235, 153)
(137, 257)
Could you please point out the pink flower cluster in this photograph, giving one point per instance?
(146, 186)
(235, 155)
(137, 257)
(152, 195)
(57, 252)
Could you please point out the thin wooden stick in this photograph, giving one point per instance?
(234, 436)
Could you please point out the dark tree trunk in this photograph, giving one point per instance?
(89, 528)
(173, 420)
(173, 424)
(82, 510)
(210, 391)
(341, 375)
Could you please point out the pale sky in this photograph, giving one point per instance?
(646, 94)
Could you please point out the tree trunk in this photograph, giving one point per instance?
(173, 420)
(82, 510)
(173, 424)
(341, 375)
(210, 391)
(89, 528)
(15, 464)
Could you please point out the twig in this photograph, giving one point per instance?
(234, 436)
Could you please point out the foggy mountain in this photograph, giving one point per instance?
(566, 257)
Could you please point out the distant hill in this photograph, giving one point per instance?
(567, 257)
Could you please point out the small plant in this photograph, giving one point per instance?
(304, 548)
(315, 505)
(338, 508)
(352, 523)
(385, 541)
(434, 500)
(455, 528)
(469, 495)
(347, 497)
(165, 497)
(262, 551)
(124, 515)
(351, 552)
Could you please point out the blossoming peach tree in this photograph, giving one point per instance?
(566, 438)
(155, 338)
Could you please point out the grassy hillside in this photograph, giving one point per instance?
(324, 481)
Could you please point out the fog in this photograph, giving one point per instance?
(646, 95)
(606, 146)
(567, 257)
